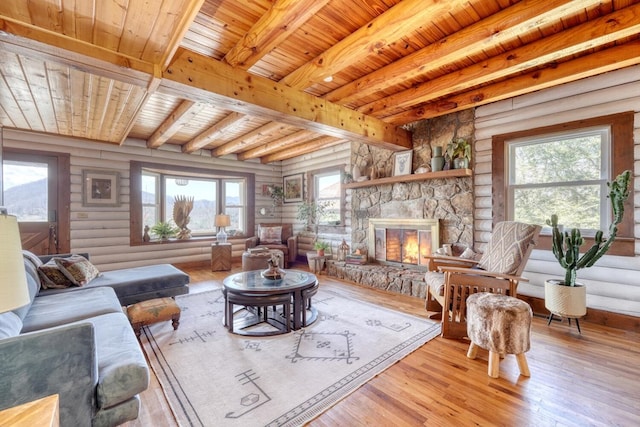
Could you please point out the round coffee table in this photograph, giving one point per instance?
(250, 289)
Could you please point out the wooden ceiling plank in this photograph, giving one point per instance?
(268, 131)
(279, 144)
(203, 79)
(109, 27)
(29, 40)
(58, 76)
(304, 148)
(16, 80)
(179, 117)
(615, 26)
(484, 35)
(385, 29)
(8, 100)
(604, 61)
(281, 20)
(128, 111)
(35, 74)
(205, 138)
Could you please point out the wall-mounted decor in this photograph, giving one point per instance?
(293, 188)
(100, 188)
(402, 163)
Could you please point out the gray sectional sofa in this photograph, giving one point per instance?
(79, 344)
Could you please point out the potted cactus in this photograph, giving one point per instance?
(568, 298)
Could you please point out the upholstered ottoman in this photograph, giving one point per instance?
(153, 311)
(258, 259)
(500, 324)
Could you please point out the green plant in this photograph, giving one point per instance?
(320, 245)
(164, 230)
(566, 246)
(311, 212)
(459, 148)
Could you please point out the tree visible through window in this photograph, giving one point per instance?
(327, 191)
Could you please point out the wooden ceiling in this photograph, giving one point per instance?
(274, 79)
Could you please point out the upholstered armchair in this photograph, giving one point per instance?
(276, 236)
(451, 280)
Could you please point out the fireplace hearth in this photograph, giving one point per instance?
(399, 241)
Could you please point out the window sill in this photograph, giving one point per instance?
(207, 239)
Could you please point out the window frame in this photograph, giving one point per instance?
(621, 158)
(311, 179)
(136, 169)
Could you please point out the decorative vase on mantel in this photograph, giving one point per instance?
(437, 161)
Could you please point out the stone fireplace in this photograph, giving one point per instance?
(402, 241)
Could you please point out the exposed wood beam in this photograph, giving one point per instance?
(600, 62)
(272, 146)
(29, 40)
(203, 79)
(284, 17)
(395, 23)
(210, 134)
(257, 136)
(304, 148)
(609, 28)
(179, 117)
(485, 35)
(189, 13)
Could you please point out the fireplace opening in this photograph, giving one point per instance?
(403, 241)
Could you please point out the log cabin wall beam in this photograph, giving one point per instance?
(203, 79)
(176, 120)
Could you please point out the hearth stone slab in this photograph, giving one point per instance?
(400, 280)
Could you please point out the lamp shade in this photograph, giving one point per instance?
(13, 279)
(223, 220)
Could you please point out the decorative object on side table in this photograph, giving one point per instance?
(343, 250)
(321, 246)
(221, 222)
(459, 153)
(273, 272)
(568, 298)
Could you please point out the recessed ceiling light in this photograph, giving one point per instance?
(328, 79)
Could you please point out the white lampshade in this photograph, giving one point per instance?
(13, 278)
(223, 220)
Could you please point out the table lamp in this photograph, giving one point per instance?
(222, 221)
(13, 278)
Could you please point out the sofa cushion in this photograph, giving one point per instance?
(77, 269)
(10, 325)
(270, 234)
(58, 309)
(52, 277)
(34, 288)
(435, 282)
(122, 369)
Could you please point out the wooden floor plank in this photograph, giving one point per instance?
(576, 380)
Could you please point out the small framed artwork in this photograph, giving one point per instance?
(100, 188)
(292, 186)
(402, 163)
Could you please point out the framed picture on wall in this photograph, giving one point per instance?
(402, 163)
(100, 188)
(293, 188)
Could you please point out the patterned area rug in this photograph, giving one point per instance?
(214, 378)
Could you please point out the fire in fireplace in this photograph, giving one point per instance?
(403, 241)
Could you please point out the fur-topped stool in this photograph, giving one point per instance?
(500, 324)
(153, 311)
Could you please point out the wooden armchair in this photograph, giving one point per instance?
(451, 280)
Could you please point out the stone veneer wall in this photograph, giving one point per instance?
(450, 200)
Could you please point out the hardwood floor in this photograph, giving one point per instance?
(591, 379)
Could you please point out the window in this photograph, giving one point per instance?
(212, 191)
(555, 173)
(563, 169)
(327, 190)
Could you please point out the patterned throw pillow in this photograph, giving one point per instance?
(270, 234)
(508, 245)
(52, 277)
(77, 269)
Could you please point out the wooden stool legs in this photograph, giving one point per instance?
(494, 361)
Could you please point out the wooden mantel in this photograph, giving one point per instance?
(451, 173)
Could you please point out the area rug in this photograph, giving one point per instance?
(215, 378)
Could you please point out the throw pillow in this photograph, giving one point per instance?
(77, 269)
(52, 277)
(10, 325)
(508, 246)
(271, 234)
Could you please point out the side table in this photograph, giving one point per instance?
(220, 256)
(39, 413)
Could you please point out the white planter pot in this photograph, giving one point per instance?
(565, 301)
